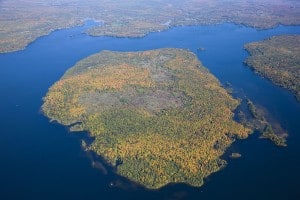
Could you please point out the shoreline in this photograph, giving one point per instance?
(135, 36)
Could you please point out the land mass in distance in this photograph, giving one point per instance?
(23, 21)
(158, 116)
(277, 59)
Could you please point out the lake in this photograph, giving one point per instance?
(42, 160)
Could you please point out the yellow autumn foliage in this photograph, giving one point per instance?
(158, 116)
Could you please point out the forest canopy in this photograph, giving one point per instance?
(277, 59)
(157, 116)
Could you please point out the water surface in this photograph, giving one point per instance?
(42, 160)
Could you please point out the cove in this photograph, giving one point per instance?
(41, 160)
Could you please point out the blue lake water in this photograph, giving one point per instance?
(42, 160)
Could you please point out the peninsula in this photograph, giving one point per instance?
(157, 116)
(277, 59)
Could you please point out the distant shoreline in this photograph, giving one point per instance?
(133, 18)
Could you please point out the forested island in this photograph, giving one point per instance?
(277, 59)
(23, 21)
(157, 116)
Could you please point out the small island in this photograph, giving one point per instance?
(157, 116)
(235, 155)
(277, 59)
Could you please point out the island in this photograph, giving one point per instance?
(235, 155)
(22, 22)
(277, 59)
(157, 117)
